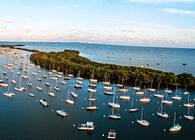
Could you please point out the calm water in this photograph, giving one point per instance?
(23, 118)
(170, 59)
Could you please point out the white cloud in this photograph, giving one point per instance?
(160, 1)
(178, 11)
(8, 21)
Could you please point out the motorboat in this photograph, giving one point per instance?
(62, 113)
(29, 84)
(88, 126)
(44, 102)
(20, 89)
(111, 135)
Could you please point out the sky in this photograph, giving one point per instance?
(163, 23)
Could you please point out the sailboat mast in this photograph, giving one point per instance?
(142, 113)
(174, 119)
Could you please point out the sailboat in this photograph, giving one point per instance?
(188, 104)
(151, 89)
(166, 101)
(111, 135)
(19, 88)
(91, 98)
(132, 109)
(29, 83)
(63, 82)
(114, 116)
(145, 100)
(66, 76)
(92, 80)
(113, 104)
(8, 94)
(169, 91)
(188, 116)
(176, 97)
(62, 113)
(68, 100)
(51, 94)
(106, 82)
(161, 113)
(75, 95)
(175, 127)
(78, 76)
(91, 107)
(38, 87)
(141, 121)
(56, 87)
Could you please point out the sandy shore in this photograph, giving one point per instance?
(8, 51)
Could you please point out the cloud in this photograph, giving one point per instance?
(27, 29)
(178, 11)
(127, 30)
(160, 1)
(8, 21)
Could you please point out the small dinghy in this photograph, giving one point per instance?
(31, 95)
(111, 135)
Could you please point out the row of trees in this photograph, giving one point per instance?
(70, 61)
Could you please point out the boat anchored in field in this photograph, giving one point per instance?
(62, 113)
(175, 127)
(141, 121)
(88, 126)
(44, 102)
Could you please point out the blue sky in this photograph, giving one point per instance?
(164, 23)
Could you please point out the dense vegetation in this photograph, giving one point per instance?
(70, 61)
(17, 47)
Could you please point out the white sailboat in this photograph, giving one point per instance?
(74, 94)
(56, 87)
(161, 113)
(132, 109)
(188, 104)
(62, 113)
(188, 116)
(68, 100)
(114, 116)
(44, 102)
(141, 121)
(113, 104)
(8, 94)
(19, 88)
(176, 97)
(175, 127)
(166, 101)
(51, 94)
